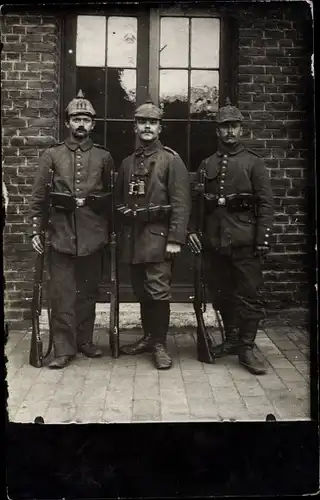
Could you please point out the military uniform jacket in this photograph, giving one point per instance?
(167, 182)
(241, 171)
(79, 170)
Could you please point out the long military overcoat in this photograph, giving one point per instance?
(167, 183)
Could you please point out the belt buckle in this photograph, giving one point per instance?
(221, 201)
(80, 202)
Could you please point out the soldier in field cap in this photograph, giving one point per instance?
(238, 219)
(153, 201)
(78, 230)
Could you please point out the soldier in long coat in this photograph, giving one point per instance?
(239, 212)
(154, 202)
(78, 230)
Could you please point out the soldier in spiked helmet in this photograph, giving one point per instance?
(153, 201)
(239, 213)
(78, 230)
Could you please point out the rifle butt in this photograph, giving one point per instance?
(36, 354)
(203, 341)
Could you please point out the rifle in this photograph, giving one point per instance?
(204, 342)
(36, 355)
(114, 296)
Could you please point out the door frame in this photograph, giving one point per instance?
(148, 71)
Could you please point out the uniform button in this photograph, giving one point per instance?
(225, 156)
(221, 187)
(222, 180)
(34, 225)
(77, 181)
(78, 164)
(77, 189)
(266, 243)
(78, 173)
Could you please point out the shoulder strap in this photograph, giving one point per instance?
(253, 152)
(172, 151)
(101, 147)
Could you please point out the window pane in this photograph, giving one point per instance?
(204, 93)
(174, 135)
(92, 83)
(203, 142)
(91, 41)
(174, 42)
(98, 135)
(173, 90)
(120, 140)
(121, 92)
(205, 42)
(122, 42)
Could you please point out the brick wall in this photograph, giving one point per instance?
(274, 95)
(30, 66)
(273, 87)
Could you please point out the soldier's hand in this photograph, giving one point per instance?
(262, 250)
(172, 249)
(194, 243)
(37, 244)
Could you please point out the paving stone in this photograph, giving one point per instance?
(224, 379)
(60, 414)
(146, 407)
(294, 355)
(279, 362)
(174, 406)
(290, 374)
(198, 390)
(146, 418)
(271, 381)
(202, 408)
(249, 388)
(234, 412)
(175, 417)
(226, 394)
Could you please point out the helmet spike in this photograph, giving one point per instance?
(228, 101)
(80, 94)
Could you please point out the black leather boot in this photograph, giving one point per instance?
(247, 357)
(161, 317)
(145, 343)
(231, 343)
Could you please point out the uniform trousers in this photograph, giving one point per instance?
(235, 281)
(152, 281)
(73, 293)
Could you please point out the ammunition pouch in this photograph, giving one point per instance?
(233, 203)
(153, 213)
(99, 202)
(67, 202)
(63, 201)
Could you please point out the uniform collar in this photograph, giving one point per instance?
(222, 150)
(73, 145)
(150, 149)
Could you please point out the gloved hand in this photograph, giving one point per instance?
(194, 243)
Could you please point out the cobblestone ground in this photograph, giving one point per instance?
(130, 389)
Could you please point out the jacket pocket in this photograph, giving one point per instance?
(159, 231)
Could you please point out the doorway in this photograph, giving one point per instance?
(182, 57)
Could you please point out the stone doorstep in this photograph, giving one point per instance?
(182, 315)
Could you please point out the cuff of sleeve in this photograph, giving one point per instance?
(174, 237)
